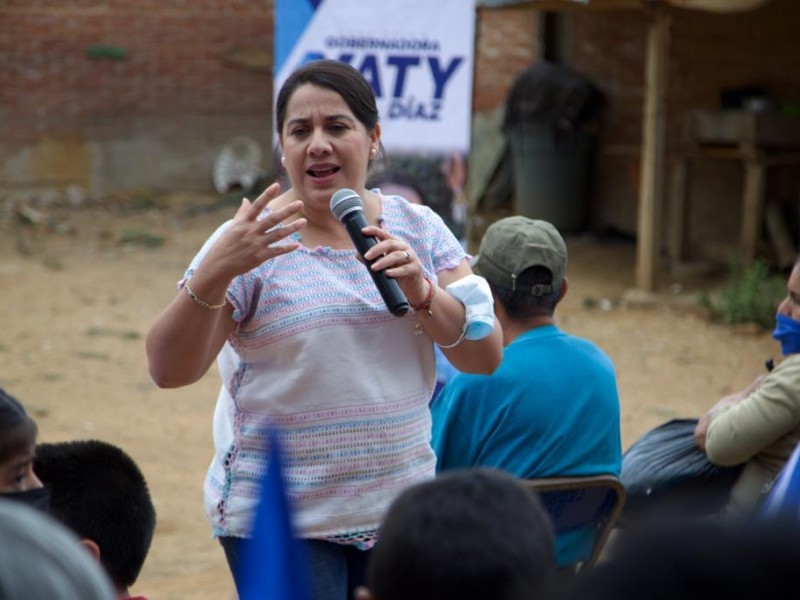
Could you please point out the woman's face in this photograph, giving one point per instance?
(16, 473)
(326, 148)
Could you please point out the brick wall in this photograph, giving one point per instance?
(89, 71)
(132, 85)
(505, 46)
(179, 60)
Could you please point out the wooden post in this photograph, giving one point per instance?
(677, 211)
(752, 208)
(652, 162)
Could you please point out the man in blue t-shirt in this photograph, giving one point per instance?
(551, 408)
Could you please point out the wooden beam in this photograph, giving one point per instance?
(648, 240)
(752, 210)
(677, 211)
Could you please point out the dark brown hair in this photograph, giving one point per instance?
(522, 305)
(17, 430)
(337, 76)
(468, 534)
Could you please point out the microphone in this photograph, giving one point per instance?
(347, 206)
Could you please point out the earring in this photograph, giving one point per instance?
(283, 160)
(372, 152)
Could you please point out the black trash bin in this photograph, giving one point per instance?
(549, 117)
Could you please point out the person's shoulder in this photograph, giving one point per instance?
(398, 207)
(785, 375)
(584, 342)
(399, 204)
(552, 333)
(463, 385)
(790, 363)
(416, 220)
(589, 349)
(457, 401)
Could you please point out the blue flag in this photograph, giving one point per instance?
(783, 500)
(273, 559)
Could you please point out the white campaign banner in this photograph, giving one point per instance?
(416, 54)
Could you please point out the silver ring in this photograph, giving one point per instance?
(408, 256)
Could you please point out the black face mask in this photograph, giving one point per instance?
(38, 498)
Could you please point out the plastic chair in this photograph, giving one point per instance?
(579, 502)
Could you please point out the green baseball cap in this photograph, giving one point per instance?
(514, 244)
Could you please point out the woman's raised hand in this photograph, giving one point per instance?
(249, 241)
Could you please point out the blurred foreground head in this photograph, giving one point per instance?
(698, 559)
(42, 560)
(468, 534)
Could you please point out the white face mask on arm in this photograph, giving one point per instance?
(474, 293)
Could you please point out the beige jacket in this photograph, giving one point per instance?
(762, 431)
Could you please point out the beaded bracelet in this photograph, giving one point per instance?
(426, 304)
(200, 301)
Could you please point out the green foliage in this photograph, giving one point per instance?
(107, 52)
(53, 263)
(751, 296)
(144, 199)
(141, 237)
(104, 331)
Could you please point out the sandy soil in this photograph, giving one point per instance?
(77, 302)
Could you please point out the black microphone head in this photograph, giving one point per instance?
(344, 202)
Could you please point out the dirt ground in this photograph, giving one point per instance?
(77, 301)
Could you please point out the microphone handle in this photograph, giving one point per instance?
(389, 289)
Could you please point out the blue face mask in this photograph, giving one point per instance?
(35, 498)
(787, 332)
